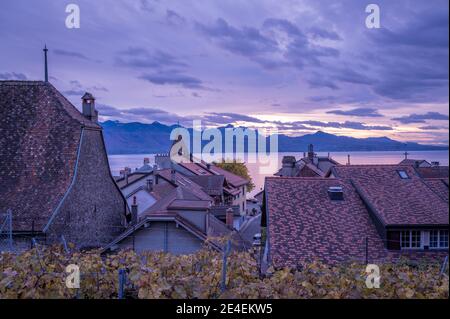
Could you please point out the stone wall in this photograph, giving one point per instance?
(93, 212)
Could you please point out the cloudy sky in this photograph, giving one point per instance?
(300, 65)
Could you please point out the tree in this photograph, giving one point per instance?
(239, 169)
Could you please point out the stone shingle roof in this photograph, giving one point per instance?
(433, 172)
(439, 186)
(211, 184)
(394, 200)
(40, 134)
(304, 224)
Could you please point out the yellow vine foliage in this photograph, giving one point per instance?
(41, 274)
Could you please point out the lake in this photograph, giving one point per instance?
(118, 162)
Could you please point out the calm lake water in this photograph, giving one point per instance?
(118, 162)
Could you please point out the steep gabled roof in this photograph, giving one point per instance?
(39, 140)
(202, 169)
(233, 179)
(396, 201)
(185, 183)
(304, 224)
(211, 184)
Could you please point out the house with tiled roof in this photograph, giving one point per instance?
(234, 187)
(415, 162)
(311, 165)
(55, 176)
(180, 222)
(357, 213)
(175, 213)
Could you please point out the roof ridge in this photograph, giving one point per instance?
(301, 178)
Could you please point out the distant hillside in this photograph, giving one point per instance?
(139, 138)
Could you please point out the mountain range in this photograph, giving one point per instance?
(140, 138)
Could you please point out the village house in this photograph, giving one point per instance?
(55, 176)
(178, 207)
(234, 188)
(180, 222)
(310, 165)
(415, 163)
(357, 213)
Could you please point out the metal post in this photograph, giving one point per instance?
(10, 230)
(226, 251)
(444, 265)
(63, 239)
(45, 64)
(367, 250)
(121, 282)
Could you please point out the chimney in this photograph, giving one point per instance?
(348, 159)
(336, 193)
(172, 175)
(311, 152)
(229, 218)
(126, 172)
(146, 161)
(134, 211)
(150, 184)
(191, 158)
(208, 165)
(89, 110)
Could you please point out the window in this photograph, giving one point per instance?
(403, 174)
(410, 239)
(439, 239)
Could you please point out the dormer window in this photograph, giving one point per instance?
(336, 193)
(403, 174)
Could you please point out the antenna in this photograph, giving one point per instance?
(46, 65)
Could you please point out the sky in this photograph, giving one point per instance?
(298, 65)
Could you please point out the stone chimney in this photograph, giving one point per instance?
(150, 184)
(172, 175)
(134, 211)
(229, 218)
(126, 173)
(89, 110)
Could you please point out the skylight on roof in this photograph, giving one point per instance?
(403, 174)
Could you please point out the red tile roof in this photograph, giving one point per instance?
(394, 200)
(439, 186)
(203, 170)
(433, 172)
(304, 224)
(234, 180)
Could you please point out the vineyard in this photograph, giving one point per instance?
(41, 273)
